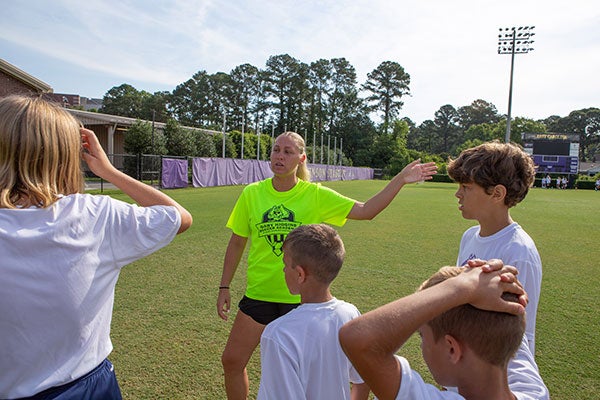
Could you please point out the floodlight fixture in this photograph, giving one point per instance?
(514, 41)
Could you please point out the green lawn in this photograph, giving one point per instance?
(168, 338)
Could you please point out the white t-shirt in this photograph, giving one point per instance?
(514, 247)
(301, 357)
(524, 375)
(525, 383)
(58, 270)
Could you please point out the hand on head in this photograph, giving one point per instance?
(93, 153)
(507, 273)
(487, 285)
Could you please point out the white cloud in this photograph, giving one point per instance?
(448, 47)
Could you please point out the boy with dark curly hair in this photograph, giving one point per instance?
(494, 177)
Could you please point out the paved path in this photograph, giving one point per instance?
(93, 185)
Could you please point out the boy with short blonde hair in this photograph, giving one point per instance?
(471, 321)
(493, 336)
(301, 357)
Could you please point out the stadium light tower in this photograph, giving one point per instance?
(514, 41)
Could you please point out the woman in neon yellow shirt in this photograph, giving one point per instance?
(264, 213)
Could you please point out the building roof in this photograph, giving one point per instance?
(24, 77)
(93, 118)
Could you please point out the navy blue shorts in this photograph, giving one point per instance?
(264, 312)
(98, 384)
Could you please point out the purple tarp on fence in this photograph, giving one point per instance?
(320, 172)
(174, 173)
(228, 171)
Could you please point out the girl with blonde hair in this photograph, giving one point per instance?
(62, 252)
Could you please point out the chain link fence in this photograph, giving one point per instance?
(143, 167)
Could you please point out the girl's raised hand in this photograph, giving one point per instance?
(93, 153)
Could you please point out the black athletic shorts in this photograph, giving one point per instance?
(264, 312)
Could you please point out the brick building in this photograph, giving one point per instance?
(15, 81)
(110, 129)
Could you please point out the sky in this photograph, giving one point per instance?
(448, 47)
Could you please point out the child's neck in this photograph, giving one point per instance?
(315, 296)
(487, 382)
(487, 395)
(494, 224)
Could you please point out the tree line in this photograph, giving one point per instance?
(324, 98)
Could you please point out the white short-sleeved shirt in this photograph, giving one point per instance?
(58, 269)
(301, 357)
(514, 247)
(524, 382)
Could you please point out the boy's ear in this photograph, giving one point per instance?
(454, 349)
(302, 273)
(499, 192)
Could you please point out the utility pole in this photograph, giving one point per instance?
(224, 122)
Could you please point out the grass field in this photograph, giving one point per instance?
(168, 338)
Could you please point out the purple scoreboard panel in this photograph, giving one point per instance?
(556, 164)
(553, 152)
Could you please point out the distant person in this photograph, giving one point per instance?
(494, 177)
(597, 187)
(300, 353)
(265, 213)
(62, 251)
(471, 322)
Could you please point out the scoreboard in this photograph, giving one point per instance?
(553, 152)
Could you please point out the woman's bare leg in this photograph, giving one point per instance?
(243, 340)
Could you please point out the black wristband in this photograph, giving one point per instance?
(223, 287)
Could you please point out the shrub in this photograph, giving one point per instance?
(584, 184)
(442, 178)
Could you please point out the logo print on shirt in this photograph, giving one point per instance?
(276, 223)
(471, 257)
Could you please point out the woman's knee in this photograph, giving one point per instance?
(232, 359)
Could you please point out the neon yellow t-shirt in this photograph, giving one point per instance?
(266, 216)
